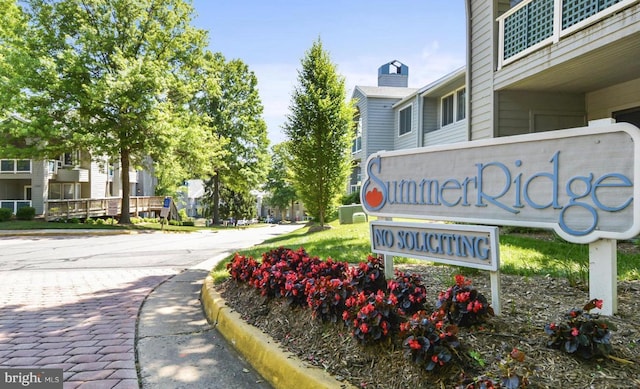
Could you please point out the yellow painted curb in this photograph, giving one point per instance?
(282, 369)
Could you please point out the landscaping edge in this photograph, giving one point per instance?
(280, 368)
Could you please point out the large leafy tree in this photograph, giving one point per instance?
(281, 190)
(235, 116)
(13, 57)
(319, 129)
(114, 77)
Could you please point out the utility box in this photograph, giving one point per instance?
(345, 213)
(359, 217)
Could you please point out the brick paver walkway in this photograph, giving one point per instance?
(82, 321)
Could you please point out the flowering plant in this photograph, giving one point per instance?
(409, 291)
(242, 268)
(584, 333)
(370, 315)
(463, 304)
(326, 297)
(368, 276)
(428, 342)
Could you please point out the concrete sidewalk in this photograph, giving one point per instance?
(177, 348)
(180, 346)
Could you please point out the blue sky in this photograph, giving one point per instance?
(272, 37)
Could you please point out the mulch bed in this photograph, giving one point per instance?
(528, 304)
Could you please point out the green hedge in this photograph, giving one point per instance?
(5, 214)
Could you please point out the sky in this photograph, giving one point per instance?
(273, 36)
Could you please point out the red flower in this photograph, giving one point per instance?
(463, 296)
(575, 332)
(414, 344)
(364, 328)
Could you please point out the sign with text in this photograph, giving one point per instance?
(461, 245)
(580, 182)
(112, 207)
(36, 378)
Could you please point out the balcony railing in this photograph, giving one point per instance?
(15, 166)
(533, 24)
(14, 205)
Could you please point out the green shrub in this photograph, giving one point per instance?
(5, 214)
(175, 223)
(73, 220)
(189, 223)
(26, 213)
(89, 222)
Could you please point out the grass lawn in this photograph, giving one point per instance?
(519, 255)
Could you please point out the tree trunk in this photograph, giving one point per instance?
(216, 198)
(126, 186)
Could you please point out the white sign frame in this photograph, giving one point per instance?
(549, 156)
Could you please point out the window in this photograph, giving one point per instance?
(55, 192)
(7, 165)
(447, 110)
(356, 145)
(70, 159)
(461, 106)
(405, 121)
(454, 107)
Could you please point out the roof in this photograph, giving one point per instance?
(435, 88)
(394, 92)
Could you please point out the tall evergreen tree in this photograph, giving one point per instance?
(319, 128)
(113, 77)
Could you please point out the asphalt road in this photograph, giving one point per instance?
(157, 250)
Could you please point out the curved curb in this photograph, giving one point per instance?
(281, 368)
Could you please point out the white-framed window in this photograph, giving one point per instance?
(404, 121)
(453, 107)
(461, 104)
(64, 191)
(15, 166)
(69, 159)
(356, 144)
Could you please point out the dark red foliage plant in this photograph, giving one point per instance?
(428, 341)
(371, 308)
(370, 316)
(583, 333)
(409, 291)
(463, 304)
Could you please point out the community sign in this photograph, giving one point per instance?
(580, 182)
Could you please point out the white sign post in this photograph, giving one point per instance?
(580, 182)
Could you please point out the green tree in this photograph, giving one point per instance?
(319, 127)
(13, 57)
(232, 204)
(281, 190)
(114, 77)
(235, 116)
